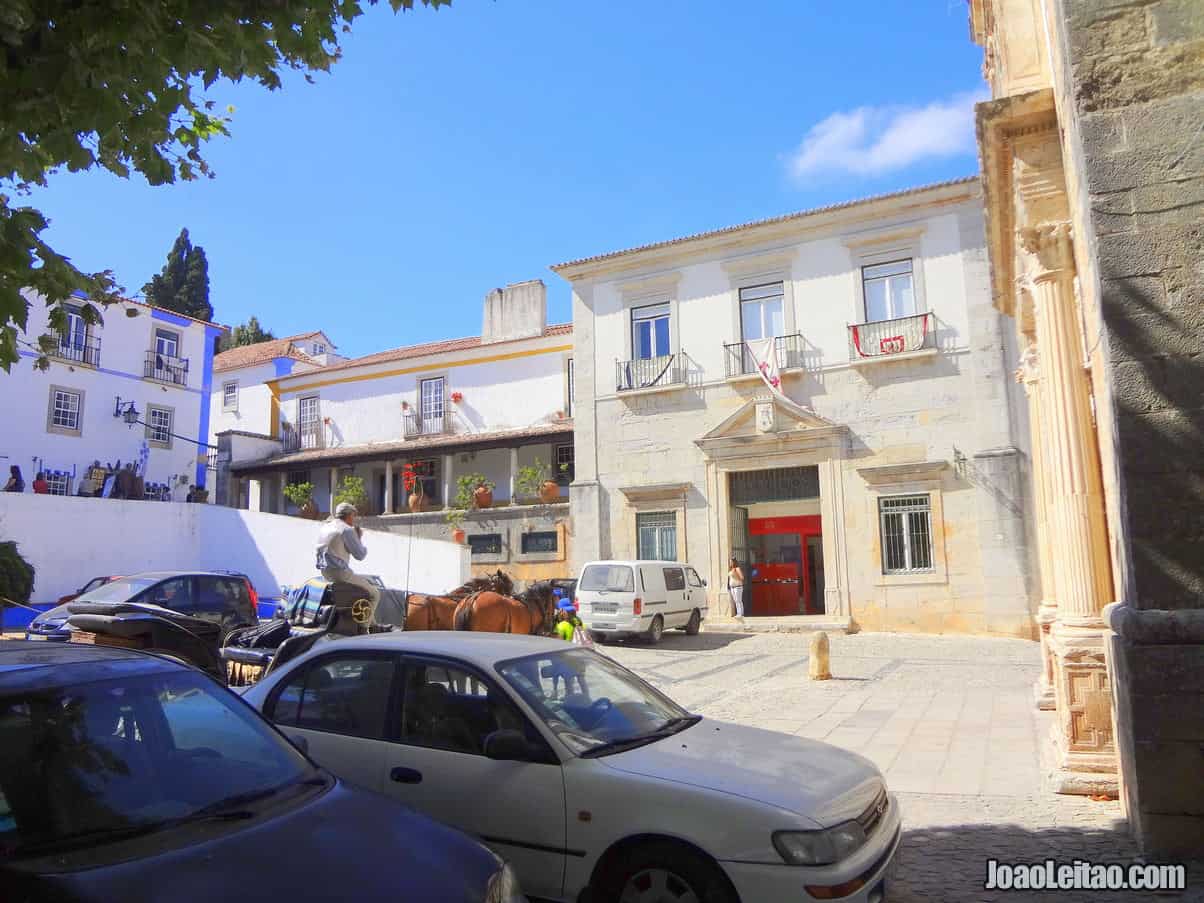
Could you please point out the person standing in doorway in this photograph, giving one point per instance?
(16, 482)
(339, 541)
(735, 586)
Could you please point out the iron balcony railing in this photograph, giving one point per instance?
(77, 348)
(646, 373)
(788, 349)
(883, 338)
(304, 437)
(166, 368)
(414, 426)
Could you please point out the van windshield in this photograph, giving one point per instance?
(613, 578)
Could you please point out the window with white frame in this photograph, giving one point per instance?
(167, 343)
(761, 314)
(58, 482)
(319, 348)
(656, 535)
(906, 525)
(650, 331)
(230, 395)
(564, 464)
(158, 426)
(66, 407)
(431, 402)
(889, 290)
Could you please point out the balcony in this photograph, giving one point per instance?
(77, 349)
(885, 339)
(788, 349)
(306, 437)
(650, 373)
(165, 368)
(414, 426)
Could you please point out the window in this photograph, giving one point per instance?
(614, 578)
(674, 579)
(427, 473)
(449, 708)
(693, 578)
(906, 524)
(167, 343)
(66, 408)
(340, 694)
(565, 463)
(540, 541)
(309, 421)
(656, 535)
(319, 348)
(174, 593)
(889, 292)
(58, 481)
(430, 404)
(230, 396)
(158, 426)
(571, 389)
(77, 329)
(761, 312)
(298, 476)
(485, 543)
(650, 331)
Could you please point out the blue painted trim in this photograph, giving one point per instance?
(284, 366)
(211, 334)
(166, 317)
(121, 373)
(19, 618)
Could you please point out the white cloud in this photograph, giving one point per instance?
(870, 141)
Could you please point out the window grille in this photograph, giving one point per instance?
(158, 425)
(485, 543)
(657, 535)
(906, 525)
(540, 541)
(66, 410)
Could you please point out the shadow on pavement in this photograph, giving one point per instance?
(950, 862)
(679, 642)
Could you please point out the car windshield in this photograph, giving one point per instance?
(98, 762)
(93, 584)
(615, 578)
(590, 702)
(120, 590)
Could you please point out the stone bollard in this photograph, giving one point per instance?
(819, 664)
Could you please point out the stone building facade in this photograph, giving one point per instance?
(1093, 164)
(882, 486)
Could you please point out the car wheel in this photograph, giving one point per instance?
(694, 624)
(665, 873)
(656, 631)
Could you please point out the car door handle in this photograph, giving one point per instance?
(403, 775)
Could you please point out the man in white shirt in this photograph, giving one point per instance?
(339, 541)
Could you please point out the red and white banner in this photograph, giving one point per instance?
(765, 359)
(890, 336)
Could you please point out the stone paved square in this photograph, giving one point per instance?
(950, 721)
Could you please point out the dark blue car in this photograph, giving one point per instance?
(127, 776)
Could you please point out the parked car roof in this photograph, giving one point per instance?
(24, 663)
(482, 649)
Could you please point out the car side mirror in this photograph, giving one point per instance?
(507, 746)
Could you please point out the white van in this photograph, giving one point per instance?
(640, 598)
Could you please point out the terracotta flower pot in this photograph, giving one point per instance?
(458, 535)
(418, 502)
(309, 510)
(482, 497)
(549, 492)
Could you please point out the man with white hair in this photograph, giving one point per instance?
(339, 541)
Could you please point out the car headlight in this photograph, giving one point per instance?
(503, 887)
(819, 847)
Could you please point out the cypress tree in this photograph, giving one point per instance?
(183, 285)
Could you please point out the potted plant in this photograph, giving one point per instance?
(302, 497)
(418, 500)
(536, 480)
(351, 489)
(455, 520)
(474, 490)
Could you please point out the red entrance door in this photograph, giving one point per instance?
(780, 571)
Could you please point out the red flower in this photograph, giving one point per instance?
(457, 397)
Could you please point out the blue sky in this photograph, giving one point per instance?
(452, 151)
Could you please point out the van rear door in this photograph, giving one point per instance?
(606, 592)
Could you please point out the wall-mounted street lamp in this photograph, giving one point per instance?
(126, 411)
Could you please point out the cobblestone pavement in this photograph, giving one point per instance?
(949, 720)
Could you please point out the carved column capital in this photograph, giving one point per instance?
(1029, 371)
(1048, 248)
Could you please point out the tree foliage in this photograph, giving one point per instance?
(123, 86)
(16, 575)
(248, 333)
(183, 285)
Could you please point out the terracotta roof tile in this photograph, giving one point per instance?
(260, 353)
(760, 222)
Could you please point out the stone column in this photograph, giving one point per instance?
(1080, 561)
(448, 483)
(514, 475)
(1029, 375)
(388, 488)
(334, 487)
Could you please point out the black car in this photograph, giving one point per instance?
(128, 776)
(222, 597)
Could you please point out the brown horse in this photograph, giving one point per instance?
(532, 611)
(438, 612)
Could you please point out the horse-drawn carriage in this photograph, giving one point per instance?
(314, 611)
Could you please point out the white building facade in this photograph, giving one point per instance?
(143, 364)
(491, 405)
(879, 483)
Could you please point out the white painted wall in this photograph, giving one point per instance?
(25, 398)
(507, 392)
(253, 412)
(71, 540)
